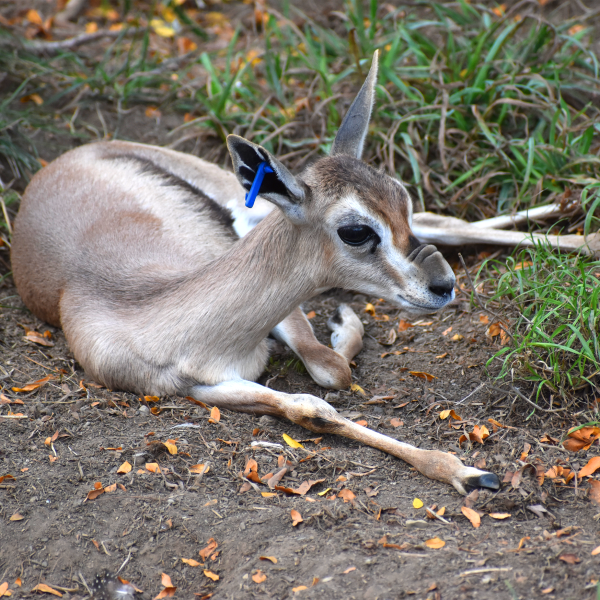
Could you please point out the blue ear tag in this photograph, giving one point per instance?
(255, 189)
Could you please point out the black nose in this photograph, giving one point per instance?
(443, 288)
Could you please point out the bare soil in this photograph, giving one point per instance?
(154, 520)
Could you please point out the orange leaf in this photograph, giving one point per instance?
(311, 315)
(215, 415)
(5, 477)
(592, 466)
(472, 516)
(436, 543)
(362, 423)
(423, 375)
(153, 467)
(493, 330)
(347, 495)
(35, 385)
(199, 469)
(571, 559)
(449, 413)
(259, 577)
(211, 575)
(499, 515)
(93, 494)
(110, 488)
(16, 517)
(596, 551)
(124, 468)
(191, 562)
(404, 325)
(396, 423)
(171, 447)
(484, 319)
(206, 552)
(296, 517)
(33, 16)
(300, 588)
(42, 587)
(3, 589)
(153, 112)
(271, 558)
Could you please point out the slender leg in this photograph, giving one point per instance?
(317, 415)
(329, 368)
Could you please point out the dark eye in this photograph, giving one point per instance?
(357, 235)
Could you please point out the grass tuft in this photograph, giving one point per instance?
(553, 304)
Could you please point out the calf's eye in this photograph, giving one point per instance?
(357, 235)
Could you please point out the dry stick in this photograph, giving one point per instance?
(40, 46)
(523, 397)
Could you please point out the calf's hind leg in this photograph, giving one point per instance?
(319, 416)
(329, 368)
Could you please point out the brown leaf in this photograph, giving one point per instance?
(38, 338)
(259, 577)
(347, 495)
(6, 477)
(215, 415)
(271, 558)
(449, 413)
(423, 375)
(571, 559)
(518, 475)
(525, 453)
(472, 516)
(595, 491)
(110, 488)
(493, 330)
(581, 438)
(396, 422)
(296, 517)
(16, 517)
(42, 587)
(93, 494)
(484, 319)
(34, 385)
(499, 515)
(274, 481)
(205, 552)
(303, 488)
(251, 465)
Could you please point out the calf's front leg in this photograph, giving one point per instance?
(319, 416)
(329, 368)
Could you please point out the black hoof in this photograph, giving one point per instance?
(487, 480)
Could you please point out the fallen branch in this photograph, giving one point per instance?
(45, 47)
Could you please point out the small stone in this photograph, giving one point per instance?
(417, 524)
(143, 410)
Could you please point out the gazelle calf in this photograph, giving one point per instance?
(130, 248)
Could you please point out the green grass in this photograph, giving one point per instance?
(552, 305)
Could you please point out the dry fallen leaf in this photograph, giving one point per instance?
(436, 543)
(171, 447)
(191, 562)
(449, 413)
(16, 517)
(210, 548)
(42, 587)
(34, 385)
(296, 517)
(4, 589)
(472, 515)
(484, 319)
(347, 495)
(596, 551)
(404, 325)
(592, 466)
(581, 439)
(423, 375)
(499, 515)
(215, 415)
(271, 558)
(370, 309)
(356, 388)
(417, 503)
(396, 422)
(211, 575)
(311, 315)
(199, 469)
(300, 588)
(291, 441)
(259, 577)
(110, 488)
(153, 467)
(124, 468)
(362, 423)
(571, 559)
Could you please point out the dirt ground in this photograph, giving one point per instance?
(63, 439)
(373, 546)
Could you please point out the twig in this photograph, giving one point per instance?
(523, 397)
(469, 395)
(124, 563)
(41, 46)
(82, 578)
